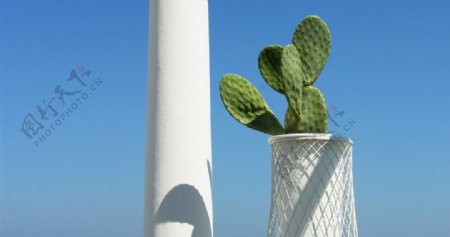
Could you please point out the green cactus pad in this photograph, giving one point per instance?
(313, 40)
(292, 78)
(269, 63)
(292, 121)
(244, 102)
(314, 111)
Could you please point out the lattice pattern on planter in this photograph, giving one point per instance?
(312, 189)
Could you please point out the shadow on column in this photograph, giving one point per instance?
(184, 204)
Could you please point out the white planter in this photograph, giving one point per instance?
(312, 186)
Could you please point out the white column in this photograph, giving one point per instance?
(178, 167)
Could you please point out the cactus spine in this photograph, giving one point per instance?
(291, 71)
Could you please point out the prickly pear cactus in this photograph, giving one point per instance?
(312, 38)
(269, 63)
(291, 70)
(314, 111)
(292, 122)
(244, 102)
(292, 78)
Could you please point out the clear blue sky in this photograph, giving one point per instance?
(389, 71)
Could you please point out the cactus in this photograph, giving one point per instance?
(244, 102)
(269, 63)
(292, 78)
(292, 123)
(291, 71)
(312, 39)
(314, 111)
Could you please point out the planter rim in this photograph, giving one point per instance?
(307, 136)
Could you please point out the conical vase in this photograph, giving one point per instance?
(312, 186)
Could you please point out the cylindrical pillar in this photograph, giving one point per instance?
(178, 166)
